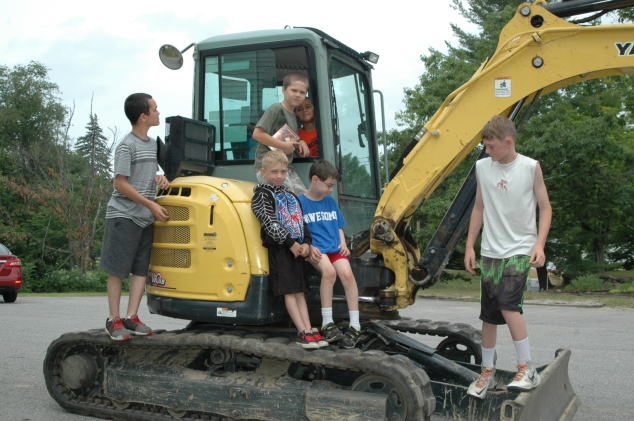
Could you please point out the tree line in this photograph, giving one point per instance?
(582, 135)
(53, 189)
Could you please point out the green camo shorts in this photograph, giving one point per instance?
(502, 286)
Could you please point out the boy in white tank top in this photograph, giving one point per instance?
(510, 186)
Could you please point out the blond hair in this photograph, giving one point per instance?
(295, 77)
(272, 157)
(499, 128)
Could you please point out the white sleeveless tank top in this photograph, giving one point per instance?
(510, 226)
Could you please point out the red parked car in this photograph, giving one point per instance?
(10, 275)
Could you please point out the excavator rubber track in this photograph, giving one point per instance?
(463, 342)
(168, 375)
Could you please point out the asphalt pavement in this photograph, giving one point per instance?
(601, 340)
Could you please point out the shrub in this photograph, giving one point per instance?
(63, 280)
(586, 283)
(28, 270)
(628, 287)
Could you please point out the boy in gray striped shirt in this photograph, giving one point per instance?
(129, 230)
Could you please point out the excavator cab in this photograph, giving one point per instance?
(237, 77)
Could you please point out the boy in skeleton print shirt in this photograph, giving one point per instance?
(286, 236)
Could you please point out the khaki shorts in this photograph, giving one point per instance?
(502, 287)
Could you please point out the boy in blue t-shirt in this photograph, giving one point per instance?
(328, 251)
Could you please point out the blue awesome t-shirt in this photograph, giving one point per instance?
(324, 219)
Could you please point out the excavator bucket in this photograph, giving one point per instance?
(554, 399)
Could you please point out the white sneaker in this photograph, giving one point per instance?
(478, 389)
(525, 379)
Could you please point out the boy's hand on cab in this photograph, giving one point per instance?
(303, 149)
(305, 250)
(159, 212)
(343, 250)
(296, 249)
(314, 255)
(162, 182)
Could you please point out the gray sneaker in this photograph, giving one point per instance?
(136, 327)
(116, 330)
(350, 338)
(479, 388)
(525, 379)
(331, 333)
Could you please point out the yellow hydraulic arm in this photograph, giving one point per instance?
(537, 53)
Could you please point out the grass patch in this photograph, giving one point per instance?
(458, 289)
(620, 273)
(455, 286)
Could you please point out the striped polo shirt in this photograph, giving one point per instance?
(134, 158)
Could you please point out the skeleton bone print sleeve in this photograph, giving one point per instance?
(263, 206)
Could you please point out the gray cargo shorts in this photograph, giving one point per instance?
(126, 248)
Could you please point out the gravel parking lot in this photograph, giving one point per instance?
(601, 341)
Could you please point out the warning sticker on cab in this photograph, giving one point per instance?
(209, 241)
(226, 312)
(502, 87)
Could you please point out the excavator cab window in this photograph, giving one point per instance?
(354, 147)
(238, 88)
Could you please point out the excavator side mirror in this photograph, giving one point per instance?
(171, 57)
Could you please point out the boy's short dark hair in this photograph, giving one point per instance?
(135, 105)
(323, 170)
(499, 128)
(295, 77)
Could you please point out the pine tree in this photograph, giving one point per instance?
(93, 146)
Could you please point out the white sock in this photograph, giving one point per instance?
(354, 319)
(326, 314)
(488, 356)
(523, 351)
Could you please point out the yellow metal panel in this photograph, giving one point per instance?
(200, 253)
(237, 190)
(258, 255)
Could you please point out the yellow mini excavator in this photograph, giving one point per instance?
(237, 359)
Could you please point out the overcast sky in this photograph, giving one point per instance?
(110, 49)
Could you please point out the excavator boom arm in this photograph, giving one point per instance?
(537, 53)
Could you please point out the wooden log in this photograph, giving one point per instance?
(619, 279)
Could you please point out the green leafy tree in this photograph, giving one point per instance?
(53, 201)
(584, 143)
(32, 119)
(73, 196)
(30, 110)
